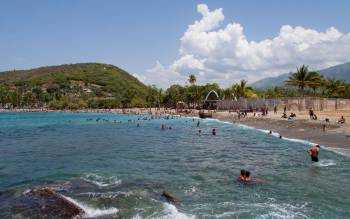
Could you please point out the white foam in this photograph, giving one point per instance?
(93, 212)
(325, 163)
(284, 211)
(101, 181)
(110, 195)
(171, 212)
(274, 210)
(190, 190)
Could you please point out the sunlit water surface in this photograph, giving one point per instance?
(119, 167)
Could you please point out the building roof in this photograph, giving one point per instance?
(212, 96)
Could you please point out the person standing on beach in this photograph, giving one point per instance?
(314, 151)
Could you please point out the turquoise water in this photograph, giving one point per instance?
(117, 166)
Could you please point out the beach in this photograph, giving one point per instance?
(336, 136)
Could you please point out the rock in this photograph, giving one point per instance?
(52, 203)
(169, 197)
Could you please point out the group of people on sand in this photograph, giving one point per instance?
(312, 114)
(341, 120)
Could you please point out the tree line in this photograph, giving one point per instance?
(300, 83)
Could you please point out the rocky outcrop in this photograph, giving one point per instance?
(52, 203)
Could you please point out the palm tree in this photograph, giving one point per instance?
(192, 79)
(301, 78)
(315, 81)
(241, 89)
(334, 87)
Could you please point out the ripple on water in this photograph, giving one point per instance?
(101, 181)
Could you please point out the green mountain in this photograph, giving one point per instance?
(340, 72)
(72, 86)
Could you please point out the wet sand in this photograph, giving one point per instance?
(335, 136)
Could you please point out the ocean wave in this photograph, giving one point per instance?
(101, 181)
(171, 212)
(92, 212)
(269, 209)
(284, 211)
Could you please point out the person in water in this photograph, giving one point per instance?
(213, 131)
(242, 176)
(245, 176)
(314, 151)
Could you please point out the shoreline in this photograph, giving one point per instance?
(336, 136)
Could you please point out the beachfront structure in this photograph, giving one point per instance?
(210, 101)
(291, 103)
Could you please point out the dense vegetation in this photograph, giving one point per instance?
(72, 86)
(93, 85)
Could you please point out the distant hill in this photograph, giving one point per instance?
(340, 72)
(89, 83)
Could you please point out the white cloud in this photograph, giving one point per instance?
(224, 55)
(162, 76)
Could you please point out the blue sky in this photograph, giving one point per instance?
(134, 35)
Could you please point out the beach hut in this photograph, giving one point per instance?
(211, 100)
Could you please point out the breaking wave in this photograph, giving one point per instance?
(93, 212)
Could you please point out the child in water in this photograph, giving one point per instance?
(245, 176)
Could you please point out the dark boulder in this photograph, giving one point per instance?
(48, 202)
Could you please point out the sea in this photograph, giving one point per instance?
(118, 166)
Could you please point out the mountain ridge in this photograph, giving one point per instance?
(340, 72)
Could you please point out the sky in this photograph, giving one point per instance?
(161, 42)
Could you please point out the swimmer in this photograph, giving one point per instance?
(242, 176)
(314, 151)
(270, 132)
(280, 136)
(198, 124)
(199, 132)
(245, 176)
(213, 132)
